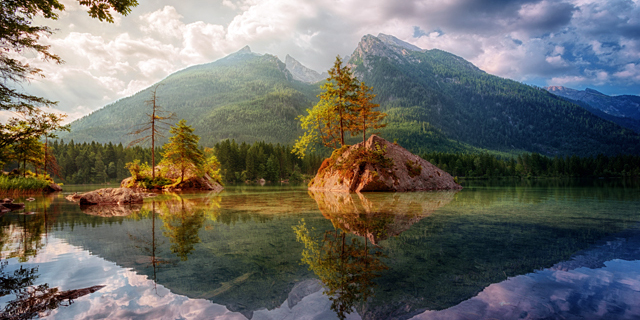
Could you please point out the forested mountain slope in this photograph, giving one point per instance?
(245, 96)
(447, 92)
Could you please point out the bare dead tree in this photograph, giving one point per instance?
(153, 128)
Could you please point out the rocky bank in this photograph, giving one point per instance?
(379, 165)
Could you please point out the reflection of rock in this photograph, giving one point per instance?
(8, 205)
(388, 167)
(378, 216)
(110, 210)
(109, 196)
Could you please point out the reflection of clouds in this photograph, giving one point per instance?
(610, 292)
(126, 295)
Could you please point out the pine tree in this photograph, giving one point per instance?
(365, 115)
(182, 149)
(332, 116)
(152, 128)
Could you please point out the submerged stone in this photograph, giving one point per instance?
(379, 165)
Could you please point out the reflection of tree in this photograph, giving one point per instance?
(21, 236)
(150, 247)
(347, 269)
(33, 301)
(182, 226)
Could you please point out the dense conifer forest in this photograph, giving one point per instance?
(84, 163)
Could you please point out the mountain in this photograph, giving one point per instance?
(624, 106)
(623, 110)
(433, 88)
(435, 101)
(244, 96)
(302, 73)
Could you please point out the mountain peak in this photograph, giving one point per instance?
(383, 46)
(300, 72)
(244, 50)
(391, 40)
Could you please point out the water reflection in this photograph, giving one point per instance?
(348, 266)
(33, 301)
(378, 216)
(441, 249)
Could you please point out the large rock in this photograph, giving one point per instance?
(109, 196)
(53, 188)
(379, 165)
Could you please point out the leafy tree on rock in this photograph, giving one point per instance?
(345, 106)
(182, 149)
(332, 116)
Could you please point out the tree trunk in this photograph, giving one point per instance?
(153, 138)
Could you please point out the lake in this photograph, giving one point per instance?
(549, 249)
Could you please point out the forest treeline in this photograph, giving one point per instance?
(535, 165)
(84, 163)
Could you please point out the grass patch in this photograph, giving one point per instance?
(13, 184)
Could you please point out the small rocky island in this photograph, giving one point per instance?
(169, 178)
(379, 165)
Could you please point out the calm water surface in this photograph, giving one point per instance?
(503, 250)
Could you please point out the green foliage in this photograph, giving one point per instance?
(242, 162)
(414, 168)
(534, 165)
(345, 106)
(182, 149)
(18, 183)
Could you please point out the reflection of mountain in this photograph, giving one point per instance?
(379, 216)
(602, 282)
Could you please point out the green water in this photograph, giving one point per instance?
(260, 252)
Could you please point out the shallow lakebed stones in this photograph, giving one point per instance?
(118, 196)
(379, 165)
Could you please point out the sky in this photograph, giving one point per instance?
(573, 43)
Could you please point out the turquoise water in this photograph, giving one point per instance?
(504, 250)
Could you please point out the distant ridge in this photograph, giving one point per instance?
(625, 106)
